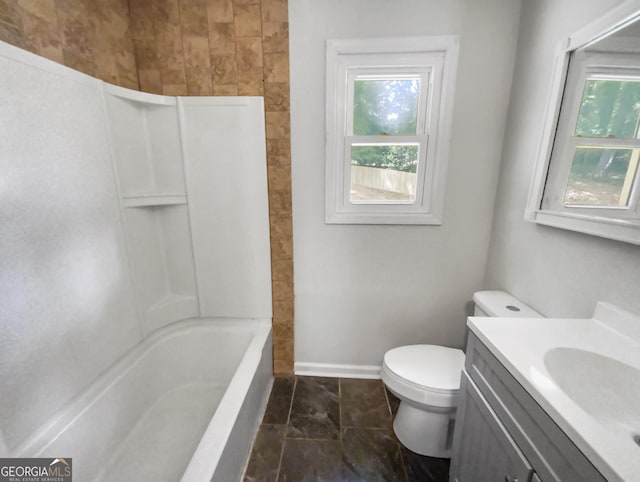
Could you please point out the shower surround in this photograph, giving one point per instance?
(135, 274)
(185, 47)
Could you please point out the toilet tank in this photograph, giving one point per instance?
(501, 304)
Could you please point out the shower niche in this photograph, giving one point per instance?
(149, 170)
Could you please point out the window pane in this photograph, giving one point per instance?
(601, 177)
(385, 107)
(609, 108)
(384, 172)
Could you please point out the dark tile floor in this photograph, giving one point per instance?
(334, 430)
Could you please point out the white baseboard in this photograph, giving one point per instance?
(337, 371)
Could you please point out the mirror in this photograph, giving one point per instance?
(588, 175)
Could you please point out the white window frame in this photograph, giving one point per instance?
(434, 61)
(553, 162)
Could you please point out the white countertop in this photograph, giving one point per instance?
(521, 343)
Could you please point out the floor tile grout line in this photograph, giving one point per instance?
(405, 470)
(386, 397)
(265, 424)
(366, 427)
(284, 441)
(340, 410)
(286, 428)
(293, 394)
(305, 439)
(340, 437)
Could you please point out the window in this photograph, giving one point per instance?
(589, 179)
(389, 104)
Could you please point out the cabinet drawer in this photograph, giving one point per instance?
(552, 454)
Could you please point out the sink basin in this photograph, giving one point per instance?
(605, 388)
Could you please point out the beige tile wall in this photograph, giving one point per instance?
(91, 36)
(185, 47)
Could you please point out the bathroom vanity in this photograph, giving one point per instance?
(550, 400)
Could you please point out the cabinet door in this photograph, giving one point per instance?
(483, 451)
(553, 455)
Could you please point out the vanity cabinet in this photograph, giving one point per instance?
(502, 434)
(486, 449)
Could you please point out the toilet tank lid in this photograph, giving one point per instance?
(502, 304)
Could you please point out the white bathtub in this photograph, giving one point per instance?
(182, 405)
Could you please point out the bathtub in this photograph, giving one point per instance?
(184, 404)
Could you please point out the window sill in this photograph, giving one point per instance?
(617, 229)
(378, 218)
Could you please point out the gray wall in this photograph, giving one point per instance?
(361, 290)
(558, 272)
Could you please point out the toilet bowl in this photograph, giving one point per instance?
(426, 379)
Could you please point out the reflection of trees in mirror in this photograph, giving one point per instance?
(597, 177)
(601, 163)
(609, 108)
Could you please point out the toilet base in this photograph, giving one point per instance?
(425, 432)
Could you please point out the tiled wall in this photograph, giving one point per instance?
(185, 47)
(91, 36)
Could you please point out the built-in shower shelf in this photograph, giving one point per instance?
(146, 144)
(160, 199)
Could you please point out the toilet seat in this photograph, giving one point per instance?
(424, 374)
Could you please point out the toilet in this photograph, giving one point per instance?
(426, 379)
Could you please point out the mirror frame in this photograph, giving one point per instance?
(617, 229)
